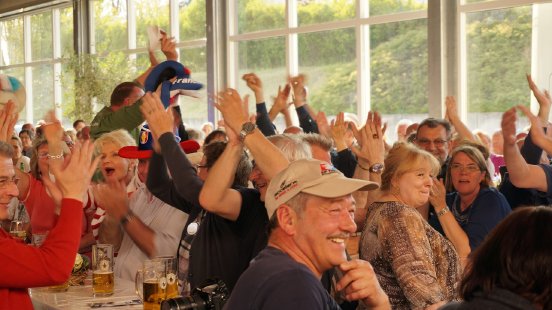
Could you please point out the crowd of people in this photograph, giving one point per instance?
(273, 215)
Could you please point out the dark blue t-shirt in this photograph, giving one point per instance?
(275, 281)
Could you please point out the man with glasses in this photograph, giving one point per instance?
(433, 135)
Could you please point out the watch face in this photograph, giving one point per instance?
(248, 127)
(377, 168)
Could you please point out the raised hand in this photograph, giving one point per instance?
(338, 130)
(281, 99)
(508, 125)
(73, 178)
(168, 46)
(8, 118)
(370, 139)
(298, 85)
(537, 132)
(113, 197)
(437, 195)
(452, 108)
(235, 111)
(543, 98)
(255, 84)
(159, 120)
(323, 124)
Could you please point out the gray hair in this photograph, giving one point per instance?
(292, 147)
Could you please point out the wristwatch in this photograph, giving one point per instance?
(247, 128)
(377, 168)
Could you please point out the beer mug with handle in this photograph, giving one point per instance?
(171, 272)
(103, 281)
(151, 283)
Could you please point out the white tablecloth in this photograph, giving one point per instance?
(81, 297)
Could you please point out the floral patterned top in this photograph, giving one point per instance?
(415, 265)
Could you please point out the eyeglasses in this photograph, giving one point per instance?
(427, 142)
(5, 181)
(469, 168)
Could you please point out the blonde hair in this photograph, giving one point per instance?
(118, 137)
(402, 158)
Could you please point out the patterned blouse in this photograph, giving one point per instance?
(415, 265)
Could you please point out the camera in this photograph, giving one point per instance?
(213, 294)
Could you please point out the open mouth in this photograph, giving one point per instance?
(109, 171)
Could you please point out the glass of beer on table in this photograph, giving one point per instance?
(103, 281)
(156, 282)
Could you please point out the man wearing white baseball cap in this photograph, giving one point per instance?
(311, 213)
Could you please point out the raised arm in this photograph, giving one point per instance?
(521, 174)
(370, 152)
(185, 180)
(51, 263)
(168, 47)
(234, 110)
(304, 112)
(543, 98)
(454, 118)
(263, 120)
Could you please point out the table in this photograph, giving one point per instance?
(81, 297)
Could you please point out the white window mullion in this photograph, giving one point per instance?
(131, 24)
(56, 38)
(28, 70)
(363, 61)
(173, 20)
(292, 42)
(232, 48)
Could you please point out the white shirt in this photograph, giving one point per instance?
(167, 223)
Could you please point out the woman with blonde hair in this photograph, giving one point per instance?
(416, 266)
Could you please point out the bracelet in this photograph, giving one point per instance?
(443, 212)
(59, 156)
(127, 218)
(363, 168)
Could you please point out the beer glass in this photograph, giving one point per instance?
(17, 230)
(103, 281)
(171, 272)
(151, 283)
(38, 238)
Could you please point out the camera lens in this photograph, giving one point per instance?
(189, 302)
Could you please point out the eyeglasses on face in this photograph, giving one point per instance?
(6, 181)
(469, 168)
(427, 142)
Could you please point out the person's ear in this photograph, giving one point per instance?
(287, 219)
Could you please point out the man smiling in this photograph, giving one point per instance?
(311, 213)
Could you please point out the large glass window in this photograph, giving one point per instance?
(11, 42)
(191, 16)
(110, 25)
(328, 60)
(313, 12)
(43, 95)
(498, 57)
(256, 15)
(66, 27)
(150, 13)
(381, 7)
(41, 36)
(194, 110)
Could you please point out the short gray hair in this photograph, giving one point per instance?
(292, 147)
(297, 203)
(6, 150)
